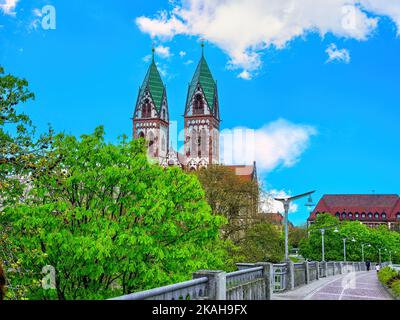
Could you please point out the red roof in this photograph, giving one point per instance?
(359, 203)
(246, 173)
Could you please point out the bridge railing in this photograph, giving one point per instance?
(251, 281)
(246, 284)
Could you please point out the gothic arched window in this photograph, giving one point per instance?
(198, 104)
(203, 146)
(141, 135)
(146, 109)
(337, 214)
(344, 215)
(163, 144)
(370, 215)
(194, 144)
(350, 215)
(357, 215)
(377, 215)
(383, 215)
(151, 140)
(398, 216)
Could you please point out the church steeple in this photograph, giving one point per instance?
(151, 116)
(203, 80)
(202, 118)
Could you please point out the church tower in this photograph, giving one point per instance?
(202, 120)
(151, 117)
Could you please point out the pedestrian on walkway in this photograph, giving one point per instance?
(368, 265)
(378, 267)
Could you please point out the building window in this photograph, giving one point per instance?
(141, 135)
(376, 215)
(198, 105)
(146, 109)
(398, 216)
(383, 215)
(163, 115)
(350, 215)
(370, 215)
(344, 215)
(337, 215)
(363, 215)
(357, 215)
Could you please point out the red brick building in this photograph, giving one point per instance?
(370, 209)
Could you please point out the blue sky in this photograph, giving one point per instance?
(87, 72)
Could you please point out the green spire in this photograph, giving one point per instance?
(203, 76)
(154, 83)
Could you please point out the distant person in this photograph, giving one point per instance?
(378, 267)
(2, 283)
(368, 265)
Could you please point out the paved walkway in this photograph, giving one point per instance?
(352, 286)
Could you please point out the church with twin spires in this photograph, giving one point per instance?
(201, 116)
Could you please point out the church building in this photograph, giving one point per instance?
(201, 121)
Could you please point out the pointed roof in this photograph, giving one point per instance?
(154, 84)
(203, 76)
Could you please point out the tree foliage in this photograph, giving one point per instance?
(111, 223)
(231, 197)
(21, 152)
(372, 238)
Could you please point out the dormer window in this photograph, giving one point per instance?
(363, 215)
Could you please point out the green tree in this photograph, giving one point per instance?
(111, 223)
(232, 197)
(373, 239)
(21, 153)
(263, 242)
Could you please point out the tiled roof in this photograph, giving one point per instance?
(247, 173)
(361, 203)
(203, 77)
(154, 83)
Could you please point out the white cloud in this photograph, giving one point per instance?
(163, 52)
(182, 54)
(37, 13)
(245, 75)
(269, 205)
(335, 54)
(243, 28)
(277, 144)
(8, 7)
(188, 62)
(147, 58)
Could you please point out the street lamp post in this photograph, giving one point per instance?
(380, 260)
(344, 249)
(286, 205)
(323, 244)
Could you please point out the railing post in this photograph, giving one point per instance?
(307, 271)
(340, 267)
(324, 265)
(216, 285)
(268, 274)
(317, 266)
(290, 275)
(333, 270)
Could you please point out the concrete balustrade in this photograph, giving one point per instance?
(251, 282)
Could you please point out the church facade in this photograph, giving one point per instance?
(201, 121)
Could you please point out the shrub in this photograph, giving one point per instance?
(396, 288)
(386, 274)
